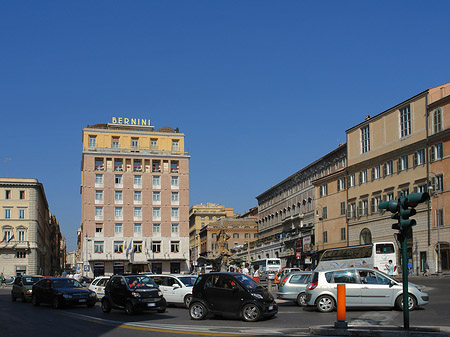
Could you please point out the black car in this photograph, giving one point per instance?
(133, 293)
(61, 291)
(231, 294)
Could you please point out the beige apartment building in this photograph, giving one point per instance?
(30, 236)
(135, 199)
(200, 216)
(391, 154)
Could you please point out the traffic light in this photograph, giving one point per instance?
(412, 200)
(394, 207)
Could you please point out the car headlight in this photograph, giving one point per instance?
(160, 294)
(137, 295)
(29, 291)
(92, 294)
(258, 296)
(67, 296)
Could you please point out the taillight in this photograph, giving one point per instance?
(375, 268)
(284, 281)
(313, 286)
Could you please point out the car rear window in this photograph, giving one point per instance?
(299, 278)
(30, 280)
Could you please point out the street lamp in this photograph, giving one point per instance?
(436, 194)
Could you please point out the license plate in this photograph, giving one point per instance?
(270, 307)
(151, 304)
(82, 300)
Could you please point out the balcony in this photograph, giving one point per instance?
(118, 168)
(144, 150)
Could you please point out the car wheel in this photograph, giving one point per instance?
(106, 307)
(301, 299)
(35, 301)
(412, 302)
(56, 304)
(197, 311)
(187, 300)
(251, 313)
(129, 308)
(325, 303)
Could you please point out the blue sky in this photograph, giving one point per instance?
(260, 88)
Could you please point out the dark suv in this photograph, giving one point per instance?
(231, 294)
(133, 293)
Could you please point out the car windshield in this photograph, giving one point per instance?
(140, 282)
(30, 280)
(66, 283)
(246, 281)
(188, 281)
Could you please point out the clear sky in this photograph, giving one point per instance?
(260, 88)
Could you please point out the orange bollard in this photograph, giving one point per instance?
(341, 308)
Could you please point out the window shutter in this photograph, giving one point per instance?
(373, 173)
(385, 169)
(399, 165)
(432, 153)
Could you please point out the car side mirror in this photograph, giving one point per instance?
(176, 286)
(392, 283)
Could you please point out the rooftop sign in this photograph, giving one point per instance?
(131, 121)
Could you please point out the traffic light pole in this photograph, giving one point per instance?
(405, 283)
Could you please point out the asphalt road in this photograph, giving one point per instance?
(23, 319)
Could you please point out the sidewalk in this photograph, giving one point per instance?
(372, 331)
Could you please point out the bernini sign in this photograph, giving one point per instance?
(131, 121)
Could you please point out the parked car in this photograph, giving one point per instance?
(23, 287)
(98, 286)
(286, 271)
(60, 291)
(133, 293)
(176, 289)
(293, 287)
(364, 287)
(231, 294)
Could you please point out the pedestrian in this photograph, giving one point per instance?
(426, 267)
(256, 273)
(277, 278)
(245, 270)
(410, 267)
(231, 269)
(2, 280)
(390, 268)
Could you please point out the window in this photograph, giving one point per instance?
(7, 213)
(437, 120)
(98, 196)
(156, 246)
(341, 184)
(174, 228)
(389, 196)
(137, 180)
(324, 213)
(118, 165)
(118, 246)
(134, 143)
(325, 236)
(440, 217)
(92, 141)
(344, 276)
(174, 167)
(376, 172)
(118, 179)
(363, 177)
(98, 228)
(403, 163)
(99, 179)
(174, 198)
(174, 181)
(137, 229)
(21, 255)
(137, 165)
(118, 212)
(156, 196)
(156, 181)
(118, 228)
(363, 208)
(235, 235)
(137, 247)
(365, 237)
(153, 143)
(405, 121)
(137, 213)
(21, 235)
(343, 208)
(99, 212)
(174, 246)
(419, 157)
(118, 197)
(387, 168)
(156, 166)
(7, 194)
(438, 183)
(137, 197)
(365, 139)
(156, 212)
(22, 195)
(420, 188)
(115, 142)
(21, 213)
(437, 151)
(175, 213)
(351, 210)
(403, 192)
(343, 236)
(323, 190)
(374, 204)
(247, 235)
(98, 246)
(156, 228)
(175, 145)
(351, 180)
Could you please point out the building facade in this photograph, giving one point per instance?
(30, 235)
(135, 199)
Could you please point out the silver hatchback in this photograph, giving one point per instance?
(293, 286)
(364, 287)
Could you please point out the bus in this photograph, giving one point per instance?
(374, 255)
(267, 267)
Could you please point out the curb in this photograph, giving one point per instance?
(377, 331)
